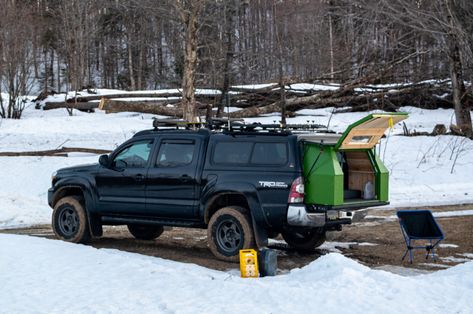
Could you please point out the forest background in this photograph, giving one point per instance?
(59, 46)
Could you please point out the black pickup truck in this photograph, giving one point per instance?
(244, 186)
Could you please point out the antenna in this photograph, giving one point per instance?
(330, 118)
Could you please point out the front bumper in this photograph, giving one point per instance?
(297, 215)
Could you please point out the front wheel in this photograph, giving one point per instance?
(69, 220)
(230, 231)
(145, 232)
(306, 240)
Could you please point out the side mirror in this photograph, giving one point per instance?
(103, 161)
(119, 165)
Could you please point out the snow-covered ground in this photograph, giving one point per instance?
(421, 167)
(48, 276)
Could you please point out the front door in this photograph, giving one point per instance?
(172, 181)
(121, 186)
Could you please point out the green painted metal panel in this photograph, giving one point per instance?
(382, 177)
(323, 176)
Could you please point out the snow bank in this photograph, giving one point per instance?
(24, 184)
(47, 276)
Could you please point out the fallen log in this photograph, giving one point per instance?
(351, 96)
(61, 152)
(242, 96)
(160, 96)
(114, 106)
(86, 98)
(82, 106)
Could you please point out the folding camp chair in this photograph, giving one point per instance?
(419, 225)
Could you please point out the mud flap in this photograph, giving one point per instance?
(95, 225)
(261, 237)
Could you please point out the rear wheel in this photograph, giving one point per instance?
(230, 231)
(69, 220)
(145, 232)
(306, 240)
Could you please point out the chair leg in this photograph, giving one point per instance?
(430, 249)
(434, 257)
(405, 254)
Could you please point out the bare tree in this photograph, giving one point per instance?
(138, 44)
(230, 8)
(441, 20)
(189, 12)
(16, 69)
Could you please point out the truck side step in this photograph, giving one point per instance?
(112, 220)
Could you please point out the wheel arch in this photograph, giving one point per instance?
(81, 191)
(68, 190)
(249, 201)
(224, 199)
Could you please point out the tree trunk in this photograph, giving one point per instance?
(190, 64)
(229, 12)
(130, 65)
(331, 45)
(46, 72)
(462, 112)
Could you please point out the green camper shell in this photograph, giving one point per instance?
(344, 170)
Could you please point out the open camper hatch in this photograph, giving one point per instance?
(343, 170)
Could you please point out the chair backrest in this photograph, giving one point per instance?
(419, 224)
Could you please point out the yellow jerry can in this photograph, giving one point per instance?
(249, 263)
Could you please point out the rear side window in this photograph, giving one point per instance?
(232, 152)
(244, 153)
(175, 154)
(269, 154)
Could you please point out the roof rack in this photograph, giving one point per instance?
(237, 125)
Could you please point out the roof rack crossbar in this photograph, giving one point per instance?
(235, 125)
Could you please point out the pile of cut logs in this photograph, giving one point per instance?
(256, 101)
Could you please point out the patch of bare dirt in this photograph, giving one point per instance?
(374, 242)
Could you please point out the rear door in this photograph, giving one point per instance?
(172, 182)
(366, 133)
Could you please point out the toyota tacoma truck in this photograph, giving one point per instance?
(244, 183)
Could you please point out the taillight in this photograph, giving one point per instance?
(297, 191)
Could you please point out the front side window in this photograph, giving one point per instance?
(175, 154)
(134, 156)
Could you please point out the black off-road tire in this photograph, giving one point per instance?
(304, 241)
(230, 231)
(69, 220)
(145, 232)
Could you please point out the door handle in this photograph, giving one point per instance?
(185, 178)
(139, 177)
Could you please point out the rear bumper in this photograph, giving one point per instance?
(349, 205)
(297, 215)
